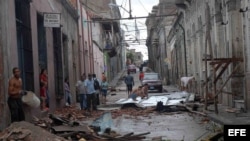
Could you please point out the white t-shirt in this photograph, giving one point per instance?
(185, 80)
(81, 87)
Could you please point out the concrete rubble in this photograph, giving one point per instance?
(66, 124)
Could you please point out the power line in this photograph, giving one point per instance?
(133, 25)
(143, 17)
(125, 6)
(143, 6)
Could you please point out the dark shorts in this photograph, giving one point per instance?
(129, 87)
(104, 92)
(133, 96)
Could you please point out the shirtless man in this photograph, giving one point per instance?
(145, 91)
(136, 92)
(14, 100)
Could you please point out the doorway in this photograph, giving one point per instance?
(24, 43)
(58, 62)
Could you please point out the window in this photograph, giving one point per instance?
(24, 44)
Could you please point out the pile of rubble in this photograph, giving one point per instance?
(65, 124)
(25, 131)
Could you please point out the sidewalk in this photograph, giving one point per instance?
(228, 116)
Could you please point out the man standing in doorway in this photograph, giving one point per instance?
(14, 100)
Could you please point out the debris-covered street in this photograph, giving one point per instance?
(125, 70)
(121, 119)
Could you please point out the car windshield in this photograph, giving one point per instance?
(151, 77)
(131, 66)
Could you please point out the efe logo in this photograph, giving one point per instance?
(236, 132)
(241, 132)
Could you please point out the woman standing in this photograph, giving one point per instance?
(104, 90)
(43, 97)
(44, 85)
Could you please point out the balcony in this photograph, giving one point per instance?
(183, 4)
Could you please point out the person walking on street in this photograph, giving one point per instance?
(67, 92)
(141, 76)
(129, 80)
(91, 101)
(14, 100)
(97, 87)
(104, 90)
(82, 91)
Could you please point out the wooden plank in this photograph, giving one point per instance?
(221, 72)
(129, 134)
(113, 138)
(218, 66)
(225, 59)
(220, 90)
(142, 134)
(65, 128)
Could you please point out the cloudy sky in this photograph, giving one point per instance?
(140, 8)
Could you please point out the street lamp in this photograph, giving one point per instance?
(115, 5)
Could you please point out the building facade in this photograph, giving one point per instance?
(84, 42)
(158, 28)
(210, 41)
(26, 43)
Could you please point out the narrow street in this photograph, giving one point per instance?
(173, 126)
(53, 51)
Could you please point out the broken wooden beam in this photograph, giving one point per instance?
(65, 128)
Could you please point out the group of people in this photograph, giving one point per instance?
(141, 91)
(89, 90)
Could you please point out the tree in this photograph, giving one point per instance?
(130, 56)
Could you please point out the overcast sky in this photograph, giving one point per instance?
(140, 8)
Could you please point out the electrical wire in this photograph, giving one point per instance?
(143, 6)
(134, 25)
(124, 6)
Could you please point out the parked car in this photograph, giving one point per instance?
(153, 80)
(132, 68)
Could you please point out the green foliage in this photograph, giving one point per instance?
(130, 56)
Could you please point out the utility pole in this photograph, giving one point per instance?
(130, 11)
(185, 52)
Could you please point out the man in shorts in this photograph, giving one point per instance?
(15, 93)
(129, 80)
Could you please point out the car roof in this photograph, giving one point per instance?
(151, 73)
